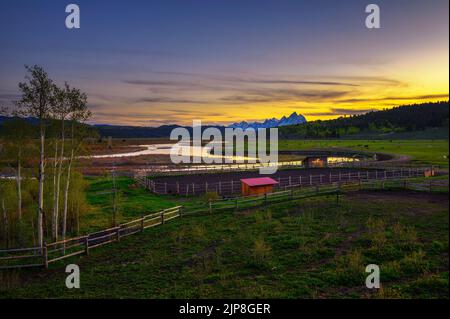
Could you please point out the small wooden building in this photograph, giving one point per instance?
(315, 161)
(257, 186)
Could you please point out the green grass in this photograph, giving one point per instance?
(134, 201)
(421, 151)
(306, 249)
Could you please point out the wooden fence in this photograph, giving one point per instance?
(168, 170)
(233, 187)
(296, 193)
(52, 252)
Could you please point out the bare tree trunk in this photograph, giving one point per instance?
(55, 198)
(5, 223)
(58, 180)
(41, 177)
(66, 195)
(19, 183)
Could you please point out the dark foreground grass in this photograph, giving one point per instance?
(307, 249)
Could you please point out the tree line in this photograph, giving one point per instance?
(41, 157)
(405, 118)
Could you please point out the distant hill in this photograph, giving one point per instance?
(293, 119)
(390, 123)
(135, 131)
(426, 120)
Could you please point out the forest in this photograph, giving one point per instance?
(405, 118)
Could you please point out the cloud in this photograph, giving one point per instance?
(284, 81)
(167, 100)
(276, 95)
(339, 111)
(398, 98)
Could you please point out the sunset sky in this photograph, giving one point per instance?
(222, 61)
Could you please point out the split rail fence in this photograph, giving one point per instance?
(52, 252)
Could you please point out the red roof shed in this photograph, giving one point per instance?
(257, 186)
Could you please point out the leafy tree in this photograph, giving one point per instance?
(37, 101)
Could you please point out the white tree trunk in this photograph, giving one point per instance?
(19, 184)
(58, 180)
(5, 223)
(41, 177)
(55, 198)
(66, 195)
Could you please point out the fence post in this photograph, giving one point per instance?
(86, 245)
(210, 207)
(180, 211)
(193, 189)
(118, 233)
(310, 179)
(265, 200)
(292, 193)
(162, 218)
(232, 190)
(142, 223)
(165, 188)
(178, 188)
(45, 255)
(206, 187)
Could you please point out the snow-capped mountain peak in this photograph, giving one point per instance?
(293, 119)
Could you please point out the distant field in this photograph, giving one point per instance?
(307, 249)
(421, 151)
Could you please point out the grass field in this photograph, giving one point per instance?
(421, 151)
(133, 202)
(307, 249)
(311, 248)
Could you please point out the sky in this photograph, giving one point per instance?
(149, 63)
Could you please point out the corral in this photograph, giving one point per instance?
(228, 184)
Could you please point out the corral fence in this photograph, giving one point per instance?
(334, 189)
(233, 187)
(173, 170)
(52, 252)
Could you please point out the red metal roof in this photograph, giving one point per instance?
(259, 181)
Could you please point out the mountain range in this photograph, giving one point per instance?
(293, 119)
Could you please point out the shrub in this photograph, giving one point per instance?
(261, 251)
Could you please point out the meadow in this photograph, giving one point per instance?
(313, 248)
(419, 151)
